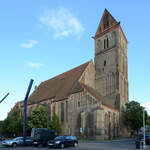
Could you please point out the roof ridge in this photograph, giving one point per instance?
(110, 14)
(73, 82)
(67, 71)
(98, 96)
(88, 89)
(56, 87)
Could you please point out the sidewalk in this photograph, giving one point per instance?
(106, 141)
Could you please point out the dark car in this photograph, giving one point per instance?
(41, 136)
(2, 138)
(17, 141)
(147, 139)
(140, 140)
(63, 141)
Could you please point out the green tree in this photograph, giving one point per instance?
(37, 119)
(6, 128)
(12, 125)
(134, 116)
(148, 120)
(55, 123)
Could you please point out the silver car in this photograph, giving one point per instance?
(17, 141)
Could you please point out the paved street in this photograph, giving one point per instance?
(90, 145)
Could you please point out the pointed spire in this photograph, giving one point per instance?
(107, 21)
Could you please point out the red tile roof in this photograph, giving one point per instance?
(60, 86)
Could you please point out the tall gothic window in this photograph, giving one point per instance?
(104, 44)
(54, 109)
(107, 43)
(62, 112)
(104, 62)
(106, 21)
(67, 110)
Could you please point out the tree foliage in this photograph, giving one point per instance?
(148, 120)
(55, 123)
(37, 119)
(134, 116)
(12, 125)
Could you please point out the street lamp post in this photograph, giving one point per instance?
(143, 128)
(25, 110)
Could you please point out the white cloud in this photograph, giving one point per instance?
(62, 22)
(29, 44)
(35, 65)
(147, 107)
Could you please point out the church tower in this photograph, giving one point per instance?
(111, 63)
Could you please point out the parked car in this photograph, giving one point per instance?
(41, 136)
(17, 141)
(63, 141)
(2, 138)
(140, 140)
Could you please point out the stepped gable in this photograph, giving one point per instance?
(60, 86)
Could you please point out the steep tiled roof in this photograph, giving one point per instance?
(60, 86)
(107, 102)
(112, 21)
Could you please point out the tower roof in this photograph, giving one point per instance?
(106, 22)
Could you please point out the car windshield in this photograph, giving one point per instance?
(73, 137)
(28, 137)
(17, 139)
(59, 137)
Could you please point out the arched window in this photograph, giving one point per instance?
(104, 62)
(67, 110)
(53, 108)
(78, 103)
(122, 109)
(107, 43)
(62, 112)
(106, 21)
(104, 43)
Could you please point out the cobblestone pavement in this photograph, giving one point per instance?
(87, 145)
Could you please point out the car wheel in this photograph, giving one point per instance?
(62, 145)
(14, 144)
(75, 144)
(35, 145)
(44, 144)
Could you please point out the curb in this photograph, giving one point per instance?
(105, 141)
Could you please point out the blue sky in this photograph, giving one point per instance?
(40, 39)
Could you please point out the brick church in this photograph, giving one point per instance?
(90, 99)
